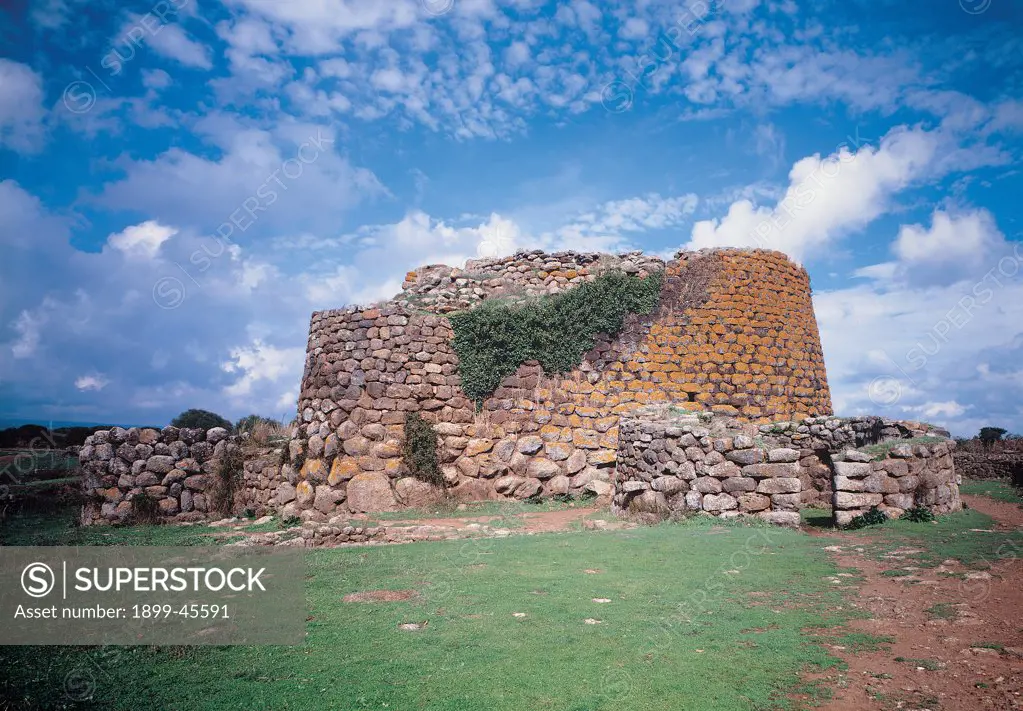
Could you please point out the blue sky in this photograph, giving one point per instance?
(182, 183)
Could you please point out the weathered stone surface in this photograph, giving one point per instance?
(540, 468)
(669, 485)
(558, 485)
(559, 451)
(414, 493)
(781, 518)
(852, 470)
(315, 471)
(706, 485)
(508, 484)
(880, 483)
(370, 491)
(787, 470)
(476, 447)
(779, 486)
(902, 501)
(719, 502)
(530, 445)
(739, 484)
(528, 489)
(160, 464)
(576, 463)
(305, 494)
(843, 483)
(327, 498)
(744, 457)
(649, 502)
(782, 454)
(504, 450)
(848, 500)
(343, 469)
(753, 502)
(197, 482)
(285, 494)
(786, 501)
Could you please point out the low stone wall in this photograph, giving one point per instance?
(993, 465)
(178, 468)
(671, 463)
(262, 477)
(904, 476)
(683, 463)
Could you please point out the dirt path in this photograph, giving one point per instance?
(533, 522)
(958, 633)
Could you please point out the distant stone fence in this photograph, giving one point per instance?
(671, 462)
(180, 473)
(989, 465)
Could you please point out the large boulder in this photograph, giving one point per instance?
(369, 492)
(418, 494)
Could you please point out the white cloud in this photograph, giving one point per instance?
(262, 362)
(826, 199)
(946, 410)
(21, 107)
(142, 240)
(28, 326)
(969, 238)
(91, 382)
(171, 41)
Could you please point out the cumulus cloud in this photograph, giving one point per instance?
(142, 240)
(259, 361)
(827, 198)
(926, 333)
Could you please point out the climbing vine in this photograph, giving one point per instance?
(495, 338)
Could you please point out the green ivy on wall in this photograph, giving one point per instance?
(495, 338)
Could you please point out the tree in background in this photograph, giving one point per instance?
(249, 422)
(990, 435)
(201, 419)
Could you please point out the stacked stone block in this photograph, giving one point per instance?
(671, 463)
(748, 348)
(173, 466)
(906, 476)
(677, 464)
(989, 465)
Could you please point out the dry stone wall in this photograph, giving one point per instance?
(989, 465)
(671, 463)
(902, 477)
(734, 334)
(178, 469)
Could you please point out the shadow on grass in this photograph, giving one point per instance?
(817, 518)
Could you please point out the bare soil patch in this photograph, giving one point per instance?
(534, 522)
(381, 596)
(958, 632)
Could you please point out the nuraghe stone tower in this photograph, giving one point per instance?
(734, 334)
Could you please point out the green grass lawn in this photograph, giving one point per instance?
(998, 489)
(700, 615)
(681, 630)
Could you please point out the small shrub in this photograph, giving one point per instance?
(873, 517)
(144, 509)
(918, 514)
(420, 450)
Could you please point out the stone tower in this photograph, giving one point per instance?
(734, 334)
